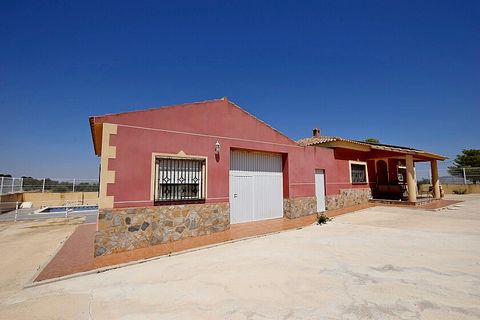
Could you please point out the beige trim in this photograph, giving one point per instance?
(300, 183)
(106, 176)
(346, 145)
(350, 162)
(180, 155)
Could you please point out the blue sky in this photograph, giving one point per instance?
(406, 72)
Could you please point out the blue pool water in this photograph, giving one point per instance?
(70, 209)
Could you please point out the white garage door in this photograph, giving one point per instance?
(256, 186)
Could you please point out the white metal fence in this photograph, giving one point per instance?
(10, 185)
(30, 206)
(467, 175)
(15, 185)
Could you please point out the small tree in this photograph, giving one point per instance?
(469, 158)
(32, 184)
(372, 140)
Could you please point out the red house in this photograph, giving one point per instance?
(193, 169)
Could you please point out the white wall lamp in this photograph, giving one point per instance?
(217, 148)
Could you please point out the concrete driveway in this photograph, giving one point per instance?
(380, 263)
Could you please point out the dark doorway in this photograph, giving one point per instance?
(382, 172)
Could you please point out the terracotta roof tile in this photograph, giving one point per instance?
(311, 141)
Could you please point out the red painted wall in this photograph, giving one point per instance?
(392, 168)
(194, 129)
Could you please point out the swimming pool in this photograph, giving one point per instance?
(65, 208)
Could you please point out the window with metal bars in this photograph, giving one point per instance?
(359, 173)
(179, 180)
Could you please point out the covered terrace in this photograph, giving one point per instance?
(389, 169)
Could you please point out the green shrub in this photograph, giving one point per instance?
(460, 191)
(323, 218)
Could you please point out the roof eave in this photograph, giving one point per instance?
(95, 139)
(354, 145)
(434, 156)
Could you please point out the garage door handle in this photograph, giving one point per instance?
(234, 195)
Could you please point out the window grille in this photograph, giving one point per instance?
(179, 180)
(358, 173)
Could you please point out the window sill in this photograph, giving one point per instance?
(178, 202)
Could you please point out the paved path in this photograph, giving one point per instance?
(380, 263)
(76, 254)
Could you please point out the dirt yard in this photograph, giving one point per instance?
(26, 247)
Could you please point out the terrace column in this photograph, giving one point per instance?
(435, 182)
(411, 183)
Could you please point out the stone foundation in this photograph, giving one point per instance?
(348, 197)
(299, 207)
(131, 228)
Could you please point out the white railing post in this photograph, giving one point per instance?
(73, 189)
(43, 186)
(21, 184)
(464, 176)
(16, 211)
(1, 186)
(13, 184)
